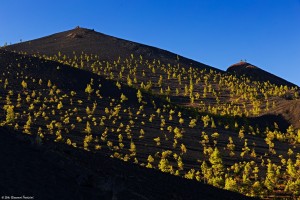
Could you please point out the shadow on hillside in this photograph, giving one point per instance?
(57, 171)
(251, 124)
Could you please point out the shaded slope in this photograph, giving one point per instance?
(56, 171)
(108, 48)
(290, 109)
(16, 67)
(257, 74)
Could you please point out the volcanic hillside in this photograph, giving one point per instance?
(93, 95)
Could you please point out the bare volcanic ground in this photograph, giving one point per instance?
(56, 171)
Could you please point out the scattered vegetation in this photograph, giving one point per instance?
(184, 121)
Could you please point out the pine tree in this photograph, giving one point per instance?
(150, 161)
(164, 165)
(270, 180)
(139, 96)
(28, 125)
(213, 125)
(59, 105)
(231, 184)
(10, 114)
(217, 168)
(88, 129)
(89, 90)
(24, 85)
(132, 149)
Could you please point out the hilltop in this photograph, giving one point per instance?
(108, 48)
(257, 74)
(87, 49)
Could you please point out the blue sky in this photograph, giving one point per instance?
(216, 32)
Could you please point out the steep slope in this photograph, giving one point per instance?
(257, 74)
(108, 48)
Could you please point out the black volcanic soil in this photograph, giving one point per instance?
(56, 171)
(257, 74)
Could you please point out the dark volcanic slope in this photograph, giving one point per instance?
(257, 74)
(56, 171)
(63, 76)
(107, 47)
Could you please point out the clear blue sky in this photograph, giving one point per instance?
(216, 32)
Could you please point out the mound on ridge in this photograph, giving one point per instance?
(257, 74)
